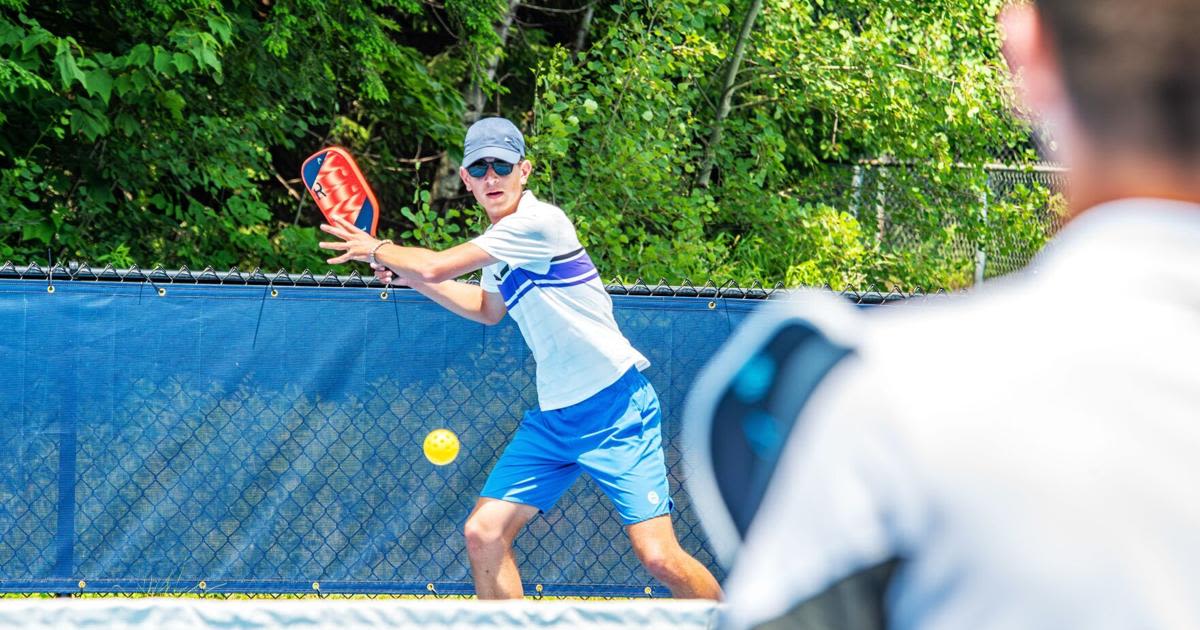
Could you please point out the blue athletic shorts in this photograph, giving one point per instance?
(615, 436)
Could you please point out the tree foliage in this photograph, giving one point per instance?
(823, 85)
(170, 131)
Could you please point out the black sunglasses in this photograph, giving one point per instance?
(480, 168)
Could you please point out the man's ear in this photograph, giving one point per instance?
(526, 168)
(1032, 60)
(466, 180)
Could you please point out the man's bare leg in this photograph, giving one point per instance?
(658, 549)
(490, 531)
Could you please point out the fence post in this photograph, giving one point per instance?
(856, 184)
(880, 199)
(980, 253)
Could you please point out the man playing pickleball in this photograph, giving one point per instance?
(596, 412)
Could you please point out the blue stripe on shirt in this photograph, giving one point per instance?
(566, 273)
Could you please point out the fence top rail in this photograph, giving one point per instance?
(1029, 167)
(82, 272)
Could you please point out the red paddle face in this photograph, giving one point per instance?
(337, 185)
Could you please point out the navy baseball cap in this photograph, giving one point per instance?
(493, 138)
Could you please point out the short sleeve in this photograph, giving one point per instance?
(520, 240)
(487, 279)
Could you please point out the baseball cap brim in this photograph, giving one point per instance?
(500, 153)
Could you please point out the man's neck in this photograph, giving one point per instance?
(1115, 177)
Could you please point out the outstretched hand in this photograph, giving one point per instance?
(355, 244)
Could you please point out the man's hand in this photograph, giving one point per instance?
(388, 277)
(355, 244)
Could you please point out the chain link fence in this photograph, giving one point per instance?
(984, 222)
(1010, 251)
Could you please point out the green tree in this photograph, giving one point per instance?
(781, 110)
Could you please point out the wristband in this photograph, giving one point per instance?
(371, 256)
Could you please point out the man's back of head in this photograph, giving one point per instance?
(1130, 71)
(1115, 84)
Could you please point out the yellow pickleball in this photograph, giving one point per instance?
(441, 446)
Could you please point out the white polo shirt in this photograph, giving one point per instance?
(1030, 454)
(554, 293)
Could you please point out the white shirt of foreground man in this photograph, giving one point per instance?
(1030, 456)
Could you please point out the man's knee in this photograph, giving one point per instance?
(484, 534)
(661, 560)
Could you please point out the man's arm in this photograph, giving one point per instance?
(429, 272)
(464, 300)
(425, 266)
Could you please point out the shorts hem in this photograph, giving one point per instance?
(670, 509)
(540, 509)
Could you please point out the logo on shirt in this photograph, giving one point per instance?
(652, 497)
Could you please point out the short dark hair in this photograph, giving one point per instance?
(1131, 70)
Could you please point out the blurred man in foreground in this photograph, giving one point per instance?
(1025, 457)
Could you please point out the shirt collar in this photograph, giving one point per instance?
(1147, 243)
